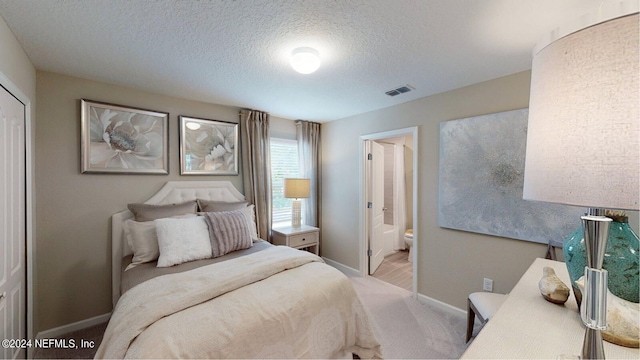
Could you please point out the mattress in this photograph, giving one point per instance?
(147, 271)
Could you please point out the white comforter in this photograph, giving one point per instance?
(277, 303)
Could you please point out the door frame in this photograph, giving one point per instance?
(364, 191)
(14, 90)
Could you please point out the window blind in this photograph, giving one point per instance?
(284, 164)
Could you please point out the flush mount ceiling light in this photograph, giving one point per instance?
(305, 60)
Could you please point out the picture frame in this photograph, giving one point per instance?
(123, 140)
(481, 175)
(208, 147)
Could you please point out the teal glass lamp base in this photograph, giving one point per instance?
(622, 260)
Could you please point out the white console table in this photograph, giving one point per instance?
(527, 326)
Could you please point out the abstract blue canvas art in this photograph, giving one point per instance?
(481, 178)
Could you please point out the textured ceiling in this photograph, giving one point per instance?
(236, 52)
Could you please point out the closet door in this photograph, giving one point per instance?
(12, 223)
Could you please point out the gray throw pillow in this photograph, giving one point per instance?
(148, 212)
(228, 231)
(215, 206)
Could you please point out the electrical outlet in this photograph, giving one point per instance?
(487, 285)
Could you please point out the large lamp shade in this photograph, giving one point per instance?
(296, 188)
(584, 124)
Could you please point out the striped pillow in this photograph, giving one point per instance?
(228, 231)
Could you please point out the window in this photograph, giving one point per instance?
(284, 164)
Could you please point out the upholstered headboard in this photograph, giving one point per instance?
(171, 192)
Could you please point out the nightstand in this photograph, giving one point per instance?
(300, 238)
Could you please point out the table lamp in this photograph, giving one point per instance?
(583, 136)
(296, 189)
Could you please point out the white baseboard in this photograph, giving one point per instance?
(441, 305)
(349, 271)
(78, 325)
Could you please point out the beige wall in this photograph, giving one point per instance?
(15, 64)
(74, 209)
(17, 73)
(282, 128)
(451, 263)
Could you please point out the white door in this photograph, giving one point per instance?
(376, 244)
(13, 297)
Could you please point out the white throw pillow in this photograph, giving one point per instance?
(251, 218)
(143, 240)
(182, 240)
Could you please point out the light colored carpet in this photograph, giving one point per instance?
(406, 328)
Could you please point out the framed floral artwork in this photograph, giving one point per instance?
(124, 140)
(208, 147)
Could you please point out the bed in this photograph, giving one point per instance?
(261, 301)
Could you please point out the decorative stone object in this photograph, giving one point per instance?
(552, 288)
(623, 320)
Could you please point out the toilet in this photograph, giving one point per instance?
(408, 240)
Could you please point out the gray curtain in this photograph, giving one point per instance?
(308, 135)
(256, 167)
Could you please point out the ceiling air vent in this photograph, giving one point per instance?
(400, 90)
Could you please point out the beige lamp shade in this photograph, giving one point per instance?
(584, 123)
(296, 188)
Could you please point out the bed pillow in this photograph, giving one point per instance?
(182, 240)
(148, 212)
(214, 206)
(143, 240)
(217, 206)
(228, 231)
(251, 218)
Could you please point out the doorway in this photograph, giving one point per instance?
(389, 196)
